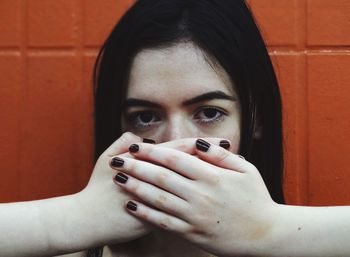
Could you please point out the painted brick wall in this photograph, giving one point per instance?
(47, 49)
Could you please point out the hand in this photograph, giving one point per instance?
(101, 203)
(218, 202)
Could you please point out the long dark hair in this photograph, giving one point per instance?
(226, 31)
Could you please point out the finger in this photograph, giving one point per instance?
(220, 157)
(122, 144)
(157, 218)
(152, 195)
(154, 174)
(177, 161)
(188, 145)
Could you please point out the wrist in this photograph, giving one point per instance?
(269, 233)
(287, 233)
(276, 237)
(66, 227)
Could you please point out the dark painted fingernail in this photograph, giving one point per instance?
(134, 148)
(117, 162)
(131, 206)
(225, 144)
(121, 178)
(202, 145)
(149, 141)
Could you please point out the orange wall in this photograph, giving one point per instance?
(47, 49)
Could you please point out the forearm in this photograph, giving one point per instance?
(311, 231)
(41, 228)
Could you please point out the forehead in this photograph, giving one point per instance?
(182, 70)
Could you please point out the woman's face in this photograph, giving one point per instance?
(176, 93)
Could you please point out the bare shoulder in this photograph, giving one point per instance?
(78, 254)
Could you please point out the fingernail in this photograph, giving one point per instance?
(202, 145)
(121, 178)
(225, 144)
(134, 148)
(117, 162)
(131, 206)
(149, 141)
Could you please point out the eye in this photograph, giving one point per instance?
(209, 114)
(142, 119)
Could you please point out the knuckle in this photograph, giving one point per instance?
(161, 179)
(172, 160)
(213, 178)
(221, 155)
(208, 200)
(144, 213)
(135, 188)
(184, 145)
(162, 201)
(131, 167)
(129, 137)
(165, 223)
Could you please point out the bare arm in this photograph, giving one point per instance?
(312, 231)
(30, 228)
(92, 217)
(72, 223)
(225, 208)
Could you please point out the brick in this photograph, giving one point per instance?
(89, 63)
(11, 91)
(10, 22)
(287, 68)
(329, 112)
(100, 17)
(51, 23)
(328, 22)
(277, 20)
(84, 125)
(49, 145)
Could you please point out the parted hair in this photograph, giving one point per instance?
(226, 31)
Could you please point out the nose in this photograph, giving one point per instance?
(178, 127)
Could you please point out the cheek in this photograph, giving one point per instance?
(235, 146)
(234, 139)
(234, 135)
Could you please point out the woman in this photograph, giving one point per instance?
(183, 69)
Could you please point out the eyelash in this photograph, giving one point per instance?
(210, 121)
(133, 119)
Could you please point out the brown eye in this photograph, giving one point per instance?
(209, 114)
(146, 117)
(142, 119)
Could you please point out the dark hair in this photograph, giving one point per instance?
(225, 30)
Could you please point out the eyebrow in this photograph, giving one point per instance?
(134, 102)
(209, 96)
